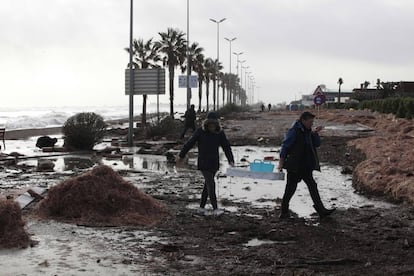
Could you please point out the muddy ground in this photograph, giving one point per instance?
(253, 241)
(358, 241)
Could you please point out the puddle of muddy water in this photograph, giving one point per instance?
(257, 242)
(335, 188)
(66, 249)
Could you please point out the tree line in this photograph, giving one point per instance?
(170, 51)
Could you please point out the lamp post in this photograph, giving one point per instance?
(245, 79)
(188, 56)
(241, 75)
(230, 40)
(246, 84)
(131, 81)
(237, 66)
(218, 53)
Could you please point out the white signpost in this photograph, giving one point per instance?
(147, 82)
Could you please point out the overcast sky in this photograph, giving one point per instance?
(70, 52)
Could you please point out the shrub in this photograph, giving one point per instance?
(230, 108)
(167, 126)
(83, 130)
(401, 107)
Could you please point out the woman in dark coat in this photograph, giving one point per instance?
(209, 138)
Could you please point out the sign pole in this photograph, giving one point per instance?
(131, 82)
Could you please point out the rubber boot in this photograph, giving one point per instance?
(322, 211)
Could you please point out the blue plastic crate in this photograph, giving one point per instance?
(261, 166)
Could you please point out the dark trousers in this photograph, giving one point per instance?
(293, 178)
(187, 128)
(209, 189)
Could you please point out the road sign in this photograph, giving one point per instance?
(182, 81)
(318, 91)
(319, 99)
(146, 81)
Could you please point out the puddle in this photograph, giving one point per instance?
(350, 127)
(66, 249)
(257, 242)
(335, 188)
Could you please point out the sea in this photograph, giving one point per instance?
(39, 117)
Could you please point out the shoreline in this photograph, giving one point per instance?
(16, 134)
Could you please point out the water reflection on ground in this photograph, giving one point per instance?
(335, 188)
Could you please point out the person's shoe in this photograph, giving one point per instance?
(326, 212)
(217, 212)
(201, 211)
(284, 215)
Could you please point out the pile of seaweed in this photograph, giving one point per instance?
(12, 232)
(101, 197)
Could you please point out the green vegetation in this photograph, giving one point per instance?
(83, 130)
(401, 107)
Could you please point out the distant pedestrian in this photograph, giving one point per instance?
(189, 121)
(299, 157)
(263, 107)
(269, 106)
(209, 138)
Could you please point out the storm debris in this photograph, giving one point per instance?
(101, 197)
(12, 231)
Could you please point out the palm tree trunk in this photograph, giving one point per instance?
(207, 94)
(200, 94)
(171, 76)
(223, 95)
(214, 94)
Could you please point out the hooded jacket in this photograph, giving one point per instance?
(208, 145)
(299, 149)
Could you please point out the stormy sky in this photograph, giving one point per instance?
(70, 52)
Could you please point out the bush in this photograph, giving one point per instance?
(401, 107)
(83, 130)
(167, 126)
(230, 108)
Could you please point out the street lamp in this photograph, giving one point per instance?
(188, 56)
(230, 40)
(218, 52)
(241, 76)
(238, 61)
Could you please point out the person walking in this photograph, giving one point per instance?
(209, 138)
(299, 157)
(189, 121)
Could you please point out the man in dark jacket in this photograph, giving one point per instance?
(209, 138)
(299, 157)
(189, 121)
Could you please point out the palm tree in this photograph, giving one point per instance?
(196, 64)
(208, 73)
(173, 47)
(145, 56)
(225, 85)
(216, 71)
(198, 67)
(340, 82)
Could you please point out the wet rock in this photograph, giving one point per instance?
(45, 165)
(45, 141)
